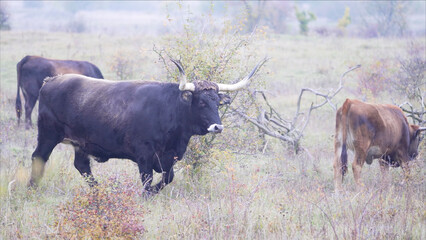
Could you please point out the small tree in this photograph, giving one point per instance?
(4, 18)
(410, 82)
(122, 66)
(254, 14)
(375, 78)
(221, 55)
(304, 18)
(345, 20)
(385, 18)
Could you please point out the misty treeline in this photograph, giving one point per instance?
(395, 18)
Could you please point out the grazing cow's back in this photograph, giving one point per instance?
(32, 70)
(372, 131)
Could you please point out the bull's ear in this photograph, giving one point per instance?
(186, 97)
(224, 99)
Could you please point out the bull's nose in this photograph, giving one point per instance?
(215, 128)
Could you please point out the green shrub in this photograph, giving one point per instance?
(218, 51)
(304, 18)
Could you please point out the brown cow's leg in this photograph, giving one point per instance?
(357, 167)
(406, 170)
(337, 165)
(30, 101)
(384, 168)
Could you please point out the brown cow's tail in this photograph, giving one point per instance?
(18, 104)
(344, 155)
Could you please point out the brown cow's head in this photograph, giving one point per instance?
(415, 133)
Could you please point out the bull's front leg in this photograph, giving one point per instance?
(145, 170)
(167, 177)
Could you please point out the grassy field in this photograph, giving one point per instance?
(276, 195)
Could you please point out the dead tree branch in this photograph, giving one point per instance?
(417, 114)
(271, 123)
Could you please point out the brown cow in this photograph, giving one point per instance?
(32, 70)
(373, 131)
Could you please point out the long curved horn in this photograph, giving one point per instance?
(242, 83)
(183, 85)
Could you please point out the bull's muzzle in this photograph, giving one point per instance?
(215, 128)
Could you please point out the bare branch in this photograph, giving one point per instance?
(416, 114)
(271, 123)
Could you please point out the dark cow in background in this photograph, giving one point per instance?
(32, 70)
(148, 122)
(373, 131)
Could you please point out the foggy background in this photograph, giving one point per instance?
(155, 18)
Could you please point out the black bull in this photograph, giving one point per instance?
(149, 123)
(31, 72)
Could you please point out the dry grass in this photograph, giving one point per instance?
(271, 196)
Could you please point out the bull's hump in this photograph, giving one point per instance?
(78, 76)
(69, 76)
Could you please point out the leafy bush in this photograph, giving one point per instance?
(385, 18)
(345, 20)
(410, 80)
(107, 211)
(219, 52)
(122, 66)
(273, 14)
(375, 78)
(304, 18)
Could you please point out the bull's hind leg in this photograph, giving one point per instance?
(47, 140)
(82, 163)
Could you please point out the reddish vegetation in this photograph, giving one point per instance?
(107, 211)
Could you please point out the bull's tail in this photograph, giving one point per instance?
(344, 155)
(18, 104)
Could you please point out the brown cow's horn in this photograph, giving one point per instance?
(242, 83)
(183, 85)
